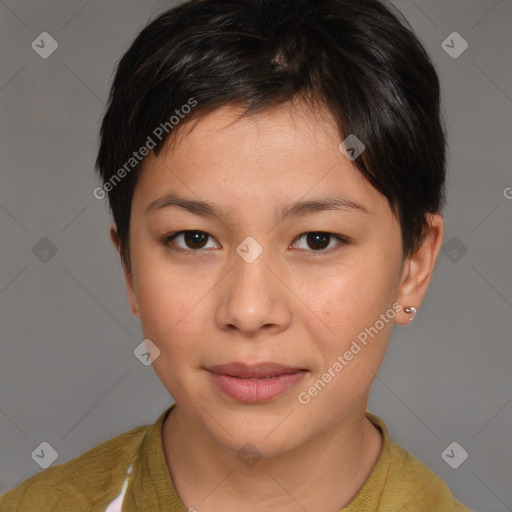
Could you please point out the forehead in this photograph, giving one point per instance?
(288, 151)
(293, 126)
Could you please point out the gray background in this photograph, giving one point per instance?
(68, 375)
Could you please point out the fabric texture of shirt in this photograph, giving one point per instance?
(129, 473)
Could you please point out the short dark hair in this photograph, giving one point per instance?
(358, 58)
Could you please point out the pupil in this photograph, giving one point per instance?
(193, 238)
(316, 238)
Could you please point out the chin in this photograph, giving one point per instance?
(246, 445)
(266, 436)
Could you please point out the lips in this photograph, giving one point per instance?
(254, 383)
(254, 371)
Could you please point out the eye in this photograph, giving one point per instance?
(194, 241)
(319, 241)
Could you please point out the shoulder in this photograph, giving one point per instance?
(86, 482)
(420, 488)
(409, 484)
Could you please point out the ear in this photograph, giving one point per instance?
(128, 274)
(417, 271)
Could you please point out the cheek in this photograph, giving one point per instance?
(349, 296)
(170, 303)
(349, 304)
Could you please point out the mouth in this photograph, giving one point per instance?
(255, 383)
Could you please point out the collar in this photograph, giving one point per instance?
(152, 487)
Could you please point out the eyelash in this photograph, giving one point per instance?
(168, 242)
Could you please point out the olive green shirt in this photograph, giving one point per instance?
(129, 473)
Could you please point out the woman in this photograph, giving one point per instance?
(275, 170)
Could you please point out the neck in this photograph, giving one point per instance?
(323, 474)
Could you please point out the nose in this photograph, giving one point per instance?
(252, 299)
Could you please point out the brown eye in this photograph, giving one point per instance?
(195, 239)
(188, 241)
(318, 241)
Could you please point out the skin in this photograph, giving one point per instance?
(293, 305)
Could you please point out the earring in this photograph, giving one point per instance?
(409, 310)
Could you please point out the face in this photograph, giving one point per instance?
(293, 259)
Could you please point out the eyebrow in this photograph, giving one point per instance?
(298, 209)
